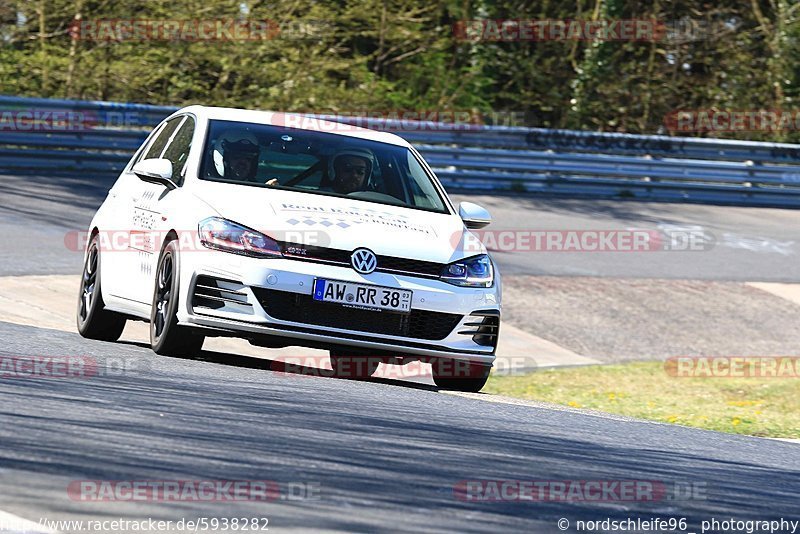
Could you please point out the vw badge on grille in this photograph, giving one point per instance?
(363, 260)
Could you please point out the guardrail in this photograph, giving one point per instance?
(487, 158)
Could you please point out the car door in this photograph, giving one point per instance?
(134, 217)
(151, 209)
(115, 229)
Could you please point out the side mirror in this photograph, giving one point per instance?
(473, 215)
(155, 171)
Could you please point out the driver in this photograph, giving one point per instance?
(236, 155)
(350, 170)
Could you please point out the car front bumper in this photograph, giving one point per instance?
(231, 294)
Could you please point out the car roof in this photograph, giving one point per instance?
(292, 120)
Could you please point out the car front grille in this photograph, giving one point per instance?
(424, 268)
(386, 264)
(298, 308)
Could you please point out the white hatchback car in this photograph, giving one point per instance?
(289, 230)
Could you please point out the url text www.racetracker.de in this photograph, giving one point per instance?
(194, 525)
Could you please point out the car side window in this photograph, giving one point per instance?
(178, 150)
(157, 146)
(423, 192)
(151, 137)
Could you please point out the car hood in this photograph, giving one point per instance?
(342, 223)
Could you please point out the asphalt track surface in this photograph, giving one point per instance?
(384, 455)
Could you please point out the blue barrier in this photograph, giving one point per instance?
(478, 158)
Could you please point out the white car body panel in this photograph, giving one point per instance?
(348, 224)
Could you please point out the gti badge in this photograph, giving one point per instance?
(363, 260)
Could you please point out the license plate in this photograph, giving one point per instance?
(362, 295)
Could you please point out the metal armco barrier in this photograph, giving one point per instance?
(465, 157)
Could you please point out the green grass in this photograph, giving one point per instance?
(768, 407)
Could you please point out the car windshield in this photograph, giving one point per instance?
(319, 163)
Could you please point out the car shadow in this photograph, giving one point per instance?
(279, 366)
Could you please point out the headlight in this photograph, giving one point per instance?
(470, 272)
(221, 234)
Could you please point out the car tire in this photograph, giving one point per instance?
(166, 337)
(460, 376)
(93, 320)
(348, 365)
